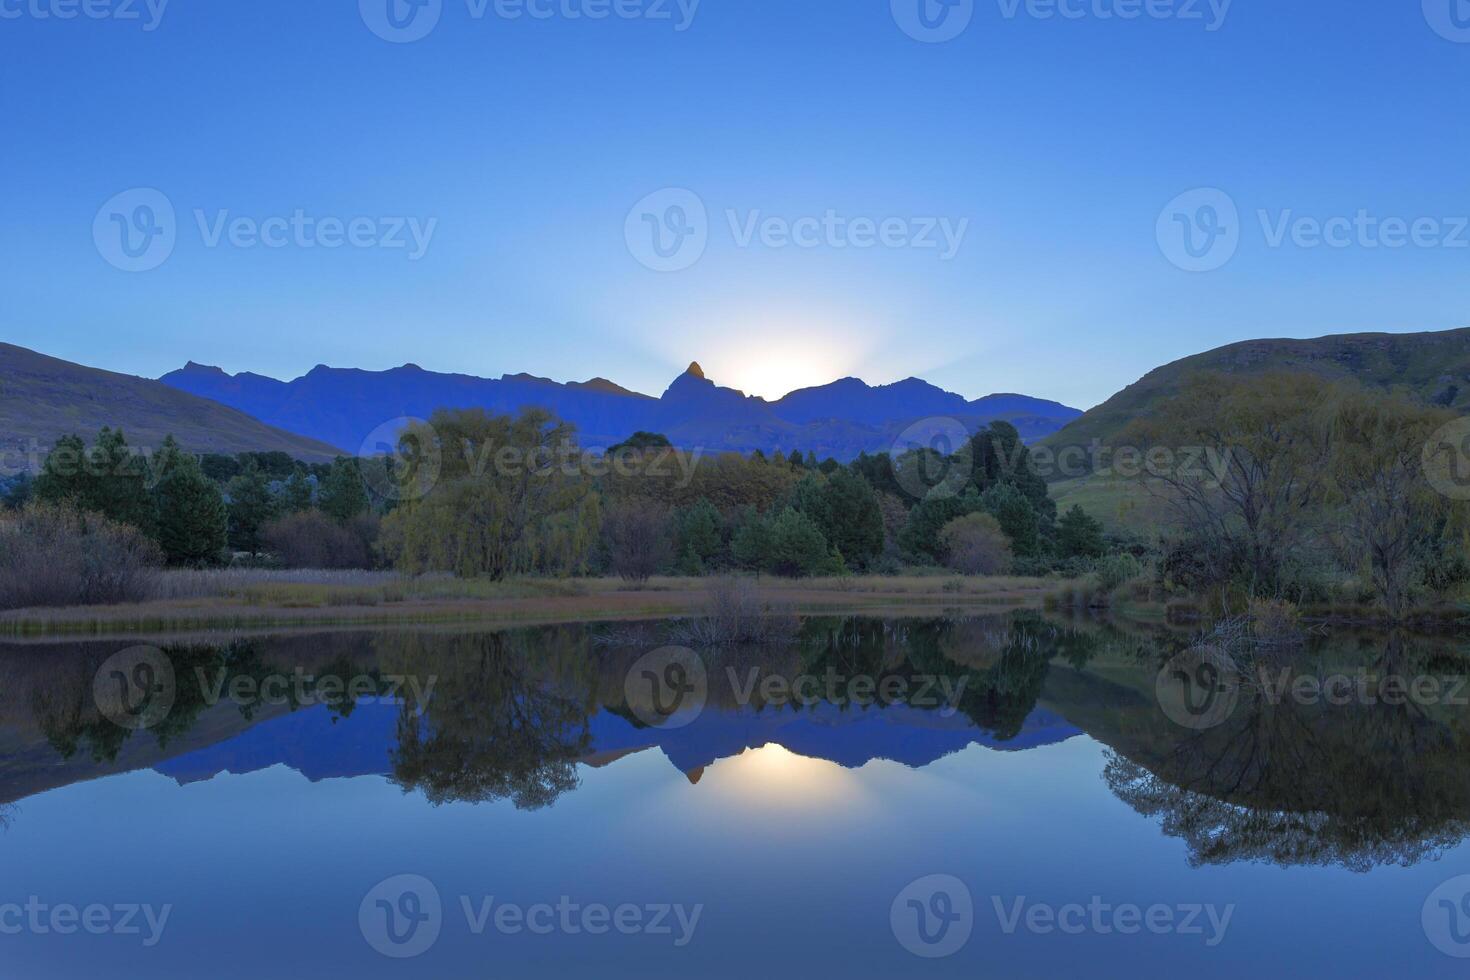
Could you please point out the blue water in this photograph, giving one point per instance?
(783, 837)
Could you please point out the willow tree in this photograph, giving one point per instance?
(509, 498)
(1388, 515)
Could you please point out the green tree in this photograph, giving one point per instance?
(252, 507)
(845, 509)
(109, 479)
(342, 495)
(193, 522)
(698, 538)
(1018, 518)
(1079, 536)
(296, 494)
(920, 536)
(789, 544)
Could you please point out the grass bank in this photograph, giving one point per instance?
(242, 600)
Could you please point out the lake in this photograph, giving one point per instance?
(960, 796)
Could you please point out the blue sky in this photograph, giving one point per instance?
(522, 145)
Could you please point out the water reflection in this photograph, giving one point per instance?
(517, 715)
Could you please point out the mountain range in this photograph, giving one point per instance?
(344, 406)
(43, 398)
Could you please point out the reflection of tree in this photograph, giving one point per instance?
(507, 717)
(1357, 785)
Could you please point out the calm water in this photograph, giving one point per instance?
(1001, 796)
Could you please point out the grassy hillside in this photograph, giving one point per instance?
(43, 398)
(1433, 367)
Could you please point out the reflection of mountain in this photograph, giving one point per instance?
(519, 714)
(319, 748)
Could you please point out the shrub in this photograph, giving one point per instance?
(1114, 570)
(975, 545)
(310, 539)
(736, 614)
(637, 535)
(55, 555)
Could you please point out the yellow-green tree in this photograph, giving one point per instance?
(510, 498)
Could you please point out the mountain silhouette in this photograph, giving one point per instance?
(343, 406)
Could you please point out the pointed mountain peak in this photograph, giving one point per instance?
(695, 369)
(196, 367)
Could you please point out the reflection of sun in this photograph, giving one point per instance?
(772, 774)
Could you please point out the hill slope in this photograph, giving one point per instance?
(1433, 367)
(343, 406)
(43, 398)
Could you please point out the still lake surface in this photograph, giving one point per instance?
(997, 796)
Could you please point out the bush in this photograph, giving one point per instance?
(637, 536)
(736, 615)
(1114, 570)
(310, 539)
(55, 555)
(975, 545)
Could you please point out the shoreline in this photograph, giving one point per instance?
(569, 601)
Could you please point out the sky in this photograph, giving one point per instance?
(1049, 197)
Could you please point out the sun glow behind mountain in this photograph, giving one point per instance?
(771, 356)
